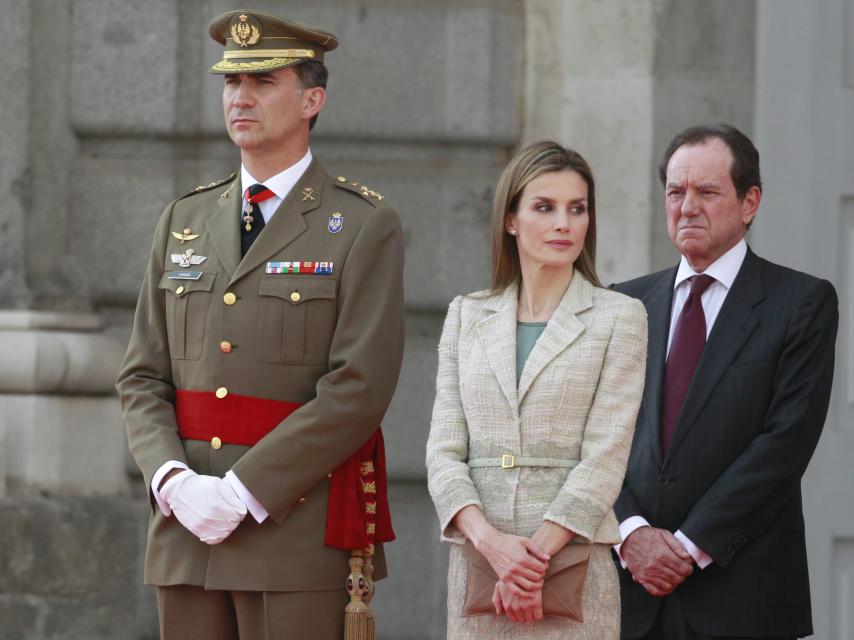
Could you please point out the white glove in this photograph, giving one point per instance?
(207, 506)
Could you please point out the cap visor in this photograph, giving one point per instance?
(259, 65)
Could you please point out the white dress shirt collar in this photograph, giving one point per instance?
(724, 269)
(281, 183)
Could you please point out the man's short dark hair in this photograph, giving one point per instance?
(312, 74)
(745, 158)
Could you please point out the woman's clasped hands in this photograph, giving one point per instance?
(521, 568)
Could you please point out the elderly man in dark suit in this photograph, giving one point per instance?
(738, 381)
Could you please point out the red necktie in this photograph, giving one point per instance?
(689, 338)
(252, 221)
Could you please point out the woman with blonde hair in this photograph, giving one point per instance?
(539, 384)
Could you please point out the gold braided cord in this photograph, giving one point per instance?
(268, 53)
(257, 65)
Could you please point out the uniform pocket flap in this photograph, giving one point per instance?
(183, 282)
(297, 290)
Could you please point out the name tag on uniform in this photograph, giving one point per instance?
(184, 275)
(308, 267)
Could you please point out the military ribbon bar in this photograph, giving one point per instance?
(307, 267)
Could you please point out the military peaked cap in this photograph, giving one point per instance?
(257, 42)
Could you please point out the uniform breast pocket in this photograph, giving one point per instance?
(296, 318)
(187, 303)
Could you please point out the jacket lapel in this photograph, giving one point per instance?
(561, 331)
(497, 331)
(287, 224)
(659, 304)
(735, 323)
(223, 227)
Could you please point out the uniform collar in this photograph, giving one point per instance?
(281, 183)
(724, 269)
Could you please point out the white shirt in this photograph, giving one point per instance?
(723, 270)
(280, 184)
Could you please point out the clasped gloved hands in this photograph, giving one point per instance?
(207, 506)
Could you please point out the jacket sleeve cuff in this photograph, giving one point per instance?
(578, 514)
(252, 505)
(157, 478)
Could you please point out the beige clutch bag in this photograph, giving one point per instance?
(562, 589)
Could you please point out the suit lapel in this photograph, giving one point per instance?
(735, 323)
(497, 331)
(287, 224)
(659, 304)
(561, 331)
(224, 229)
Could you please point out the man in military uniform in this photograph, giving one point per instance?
(266, 347)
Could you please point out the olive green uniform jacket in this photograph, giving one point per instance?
(336, 348)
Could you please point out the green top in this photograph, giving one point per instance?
(527, 334)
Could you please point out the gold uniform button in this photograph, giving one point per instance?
(179, 291)
(301, 501)
(221, 392)
(341, 179)
(295, 296)
(216, 443)
(229, 298)
(225, 346)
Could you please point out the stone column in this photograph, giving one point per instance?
(589, 79)
(71, 543)
(15, 177)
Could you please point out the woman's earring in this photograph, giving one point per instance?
(512, 232)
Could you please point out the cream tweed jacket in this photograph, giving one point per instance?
(578, 398)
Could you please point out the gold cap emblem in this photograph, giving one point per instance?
(245, 30)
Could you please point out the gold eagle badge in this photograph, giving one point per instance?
(245, 30)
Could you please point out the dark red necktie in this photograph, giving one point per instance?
(689, 338)
(252, 221)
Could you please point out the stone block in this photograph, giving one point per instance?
(407, 422)
(21, 617)
(405, 70)
(705, 37)
(69, 547)
(410, 603)
(124, 66)
(52, 440)
(443, 194)
(56, 353)
(111, 229)
(14, 167)
(611, 38)
(69, 568)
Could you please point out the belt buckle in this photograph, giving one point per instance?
(508, 461)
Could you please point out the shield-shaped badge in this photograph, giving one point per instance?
(336, 222)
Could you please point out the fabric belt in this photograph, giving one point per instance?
(509, 461)
(357, 514)
(234, 419)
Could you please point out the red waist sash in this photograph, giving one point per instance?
(357, 514)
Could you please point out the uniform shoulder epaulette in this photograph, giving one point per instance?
(213, 185)
(367, 193)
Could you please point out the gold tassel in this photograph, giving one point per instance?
(356, 611)
(369, 579)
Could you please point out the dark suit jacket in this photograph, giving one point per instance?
(731, 477)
